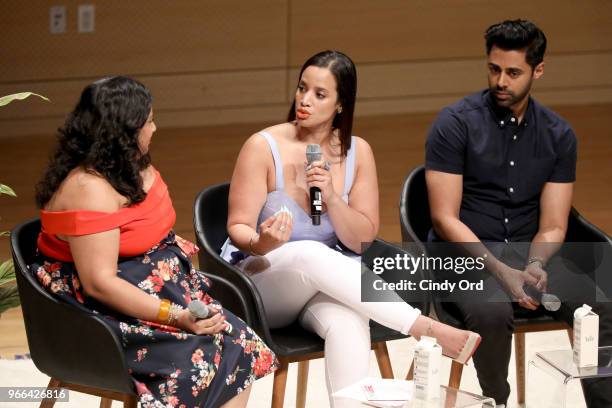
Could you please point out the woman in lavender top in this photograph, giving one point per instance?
(299, 268)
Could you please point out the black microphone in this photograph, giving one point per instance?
(199, 310)
(549, 301)
(313, 153)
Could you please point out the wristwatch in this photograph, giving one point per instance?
(534, 259)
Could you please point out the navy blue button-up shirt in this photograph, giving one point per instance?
(504, 164)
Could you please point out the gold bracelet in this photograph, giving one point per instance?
(164, 311)
(251, 250)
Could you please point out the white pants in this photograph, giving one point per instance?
(309, 281)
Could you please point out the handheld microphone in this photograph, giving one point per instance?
(549, 301)
(199, 310)
(313, 153)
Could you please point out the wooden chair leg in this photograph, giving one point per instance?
(105, 402)
(454, 379)
(382, 357)
(130, 401)
(302, 384)
(450, 400)
(410, 375)
(519, 356)
(280, 382)
(50, 402)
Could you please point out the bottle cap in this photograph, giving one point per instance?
(582, 311)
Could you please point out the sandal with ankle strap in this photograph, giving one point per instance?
(471, 344)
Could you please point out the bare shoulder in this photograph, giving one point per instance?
(281, 131)
(82, 190)
(363, 150)
(361, 143)
(256, 144)
(148, 177)
(254, 150)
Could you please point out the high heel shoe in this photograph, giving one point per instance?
(471, 344)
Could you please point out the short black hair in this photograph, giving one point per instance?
(345, 73)
(518, 35)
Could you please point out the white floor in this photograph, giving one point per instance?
(541, 389)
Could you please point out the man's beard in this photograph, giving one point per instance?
(509, 98)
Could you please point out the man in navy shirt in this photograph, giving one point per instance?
(500, 169)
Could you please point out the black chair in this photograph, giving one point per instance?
(415, 221)
(76, 349)
(292, 343)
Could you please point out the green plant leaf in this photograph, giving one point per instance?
(4, 189)
(9, 297)
(5, 100)
(7, 272)
(5, 267)
(9, 294)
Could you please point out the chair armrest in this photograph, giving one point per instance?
(229, 295)
(251, 308)
(579, 229)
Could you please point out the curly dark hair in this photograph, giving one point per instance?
(101, 135)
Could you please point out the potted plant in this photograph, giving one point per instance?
(9, 297)
(8, 289)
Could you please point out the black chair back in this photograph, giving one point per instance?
(415, 218)
(587, 246)
(210, 223)
(65, 342)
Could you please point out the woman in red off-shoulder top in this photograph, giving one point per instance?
(107, 246)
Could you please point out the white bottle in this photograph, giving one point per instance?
(427, 359)
(586, 337)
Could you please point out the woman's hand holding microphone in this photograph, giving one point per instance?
(318, 175)
(211, 325)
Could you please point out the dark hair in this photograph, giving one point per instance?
(518, 35)
(101, 135)
(343, 69)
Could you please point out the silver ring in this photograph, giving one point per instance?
(282, 228)
(326, 167)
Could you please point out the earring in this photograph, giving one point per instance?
(339, 109)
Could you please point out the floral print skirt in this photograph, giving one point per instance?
(170, 367)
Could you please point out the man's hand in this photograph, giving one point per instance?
(514, 280)
(535, 270)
